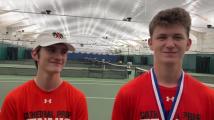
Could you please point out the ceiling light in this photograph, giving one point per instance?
(127, 19)
(210, 26)
(105, 37)
(48, 12)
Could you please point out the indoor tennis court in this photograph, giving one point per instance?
(108, 40)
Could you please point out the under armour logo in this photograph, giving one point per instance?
(47, 101)
(169, 98)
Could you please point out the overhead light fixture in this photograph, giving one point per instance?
(105, 37)
(128, 19)
(210, 26)
(48, 12)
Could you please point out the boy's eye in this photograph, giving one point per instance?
(161, 37)
(51, 49)
(64, 51)
(178, 37)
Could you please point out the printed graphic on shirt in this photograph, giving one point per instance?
(49, 115)
(47, 101)
(168, 99)
(154, 115)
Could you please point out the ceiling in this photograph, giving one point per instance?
(94, 26)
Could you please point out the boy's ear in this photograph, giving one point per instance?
(150, 43)
(34, 55)
(189, 43)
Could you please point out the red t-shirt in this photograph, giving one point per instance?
(168, 95)
(29, 102)
(136, 100)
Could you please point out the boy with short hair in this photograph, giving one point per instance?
(47, 96)
(166, 92)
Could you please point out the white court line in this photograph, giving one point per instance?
(106, 81)
(94, 84)
(21, 81)
(71, 83)
(210, 85)
(106, 98)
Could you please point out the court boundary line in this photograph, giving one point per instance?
(100, 80)
(89, 83)
(105, 98)
(83, 83)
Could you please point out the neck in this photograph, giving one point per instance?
(47, 82)
(167, 75)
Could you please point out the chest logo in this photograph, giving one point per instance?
(169, 98)
(47, 101)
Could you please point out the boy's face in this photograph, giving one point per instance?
(169, 43)
(51, 58)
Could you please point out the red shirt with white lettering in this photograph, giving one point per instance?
(29, 102)
(136, 100)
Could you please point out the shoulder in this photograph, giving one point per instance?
(194, 84)
(142, 80)
(20, 90)
(16, 95)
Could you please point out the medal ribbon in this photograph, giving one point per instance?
(159, 99)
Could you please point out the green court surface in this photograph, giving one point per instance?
(100, 93)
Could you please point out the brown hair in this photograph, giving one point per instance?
(37, 51)
(171, 16)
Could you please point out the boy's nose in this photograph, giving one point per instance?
(170, 43)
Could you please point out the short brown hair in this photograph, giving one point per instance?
(171, 17)
(37, 51)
